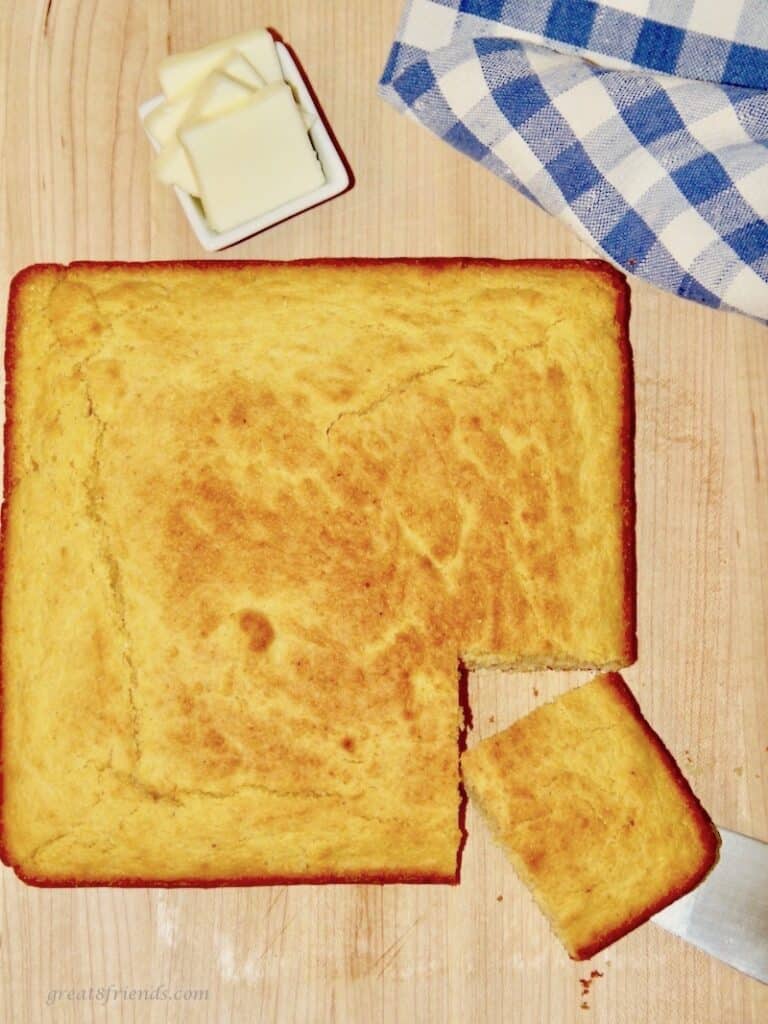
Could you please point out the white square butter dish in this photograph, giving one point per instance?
(336, 175)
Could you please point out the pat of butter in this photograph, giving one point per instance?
(241, 69)
(217, 95)
(252, 159)
(164, 121)
(182, 71)
(172, 167)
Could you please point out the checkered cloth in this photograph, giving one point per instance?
(642, 124)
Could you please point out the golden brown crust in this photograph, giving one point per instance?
(708, 835)
(290, 526)
(628, 502)
(593, 812)
(378, 877)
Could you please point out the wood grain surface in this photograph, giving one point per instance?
(76, 184)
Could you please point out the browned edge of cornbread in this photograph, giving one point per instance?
(708, 834)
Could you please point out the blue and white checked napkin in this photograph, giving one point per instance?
(642, 124)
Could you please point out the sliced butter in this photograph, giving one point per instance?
(217, 95)
(252, 159)
(182, 71)
(172, 167)
(164, 121)
(240, 68)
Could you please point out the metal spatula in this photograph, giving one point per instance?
(727, 915)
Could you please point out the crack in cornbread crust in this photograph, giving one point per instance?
(217, 752)
(618, 821)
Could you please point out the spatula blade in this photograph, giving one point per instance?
(727, 915)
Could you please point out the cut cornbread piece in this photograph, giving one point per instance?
(182, 71)
(593, 812)
(253, 159)
(254, 514)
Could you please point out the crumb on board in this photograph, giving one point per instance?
(586, 984)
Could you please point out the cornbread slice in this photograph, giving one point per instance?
(255, 513)
(593, 812)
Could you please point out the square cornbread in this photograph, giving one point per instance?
(254, 516)
(593, 812)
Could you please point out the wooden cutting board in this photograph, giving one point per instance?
(76, 184)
